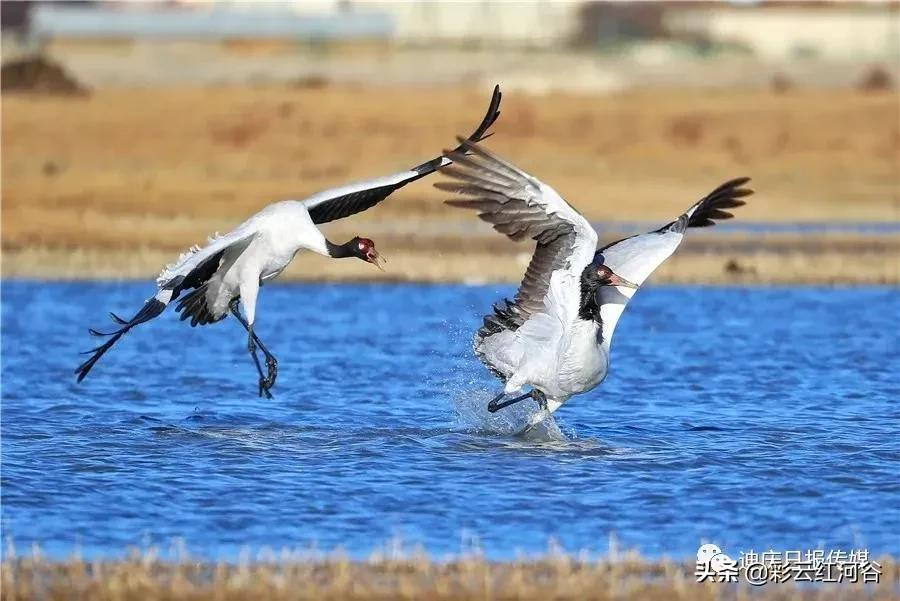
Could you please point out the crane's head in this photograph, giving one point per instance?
(598, 274)
(363, 248)
(607, 277)
(601, 285)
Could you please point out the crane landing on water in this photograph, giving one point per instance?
(555, 335)
(230, 269)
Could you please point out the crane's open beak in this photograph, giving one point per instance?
(616, 280)
(375, 259)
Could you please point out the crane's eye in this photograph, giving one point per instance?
(362, 246)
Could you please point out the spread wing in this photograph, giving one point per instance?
(635, 258)
(354, 198)
(520, 207)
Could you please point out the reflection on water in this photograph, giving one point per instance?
(751, 418)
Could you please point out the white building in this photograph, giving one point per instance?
(842, 31)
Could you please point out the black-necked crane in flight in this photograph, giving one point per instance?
(211, 281)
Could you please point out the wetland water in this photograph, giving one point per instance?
(751, 418)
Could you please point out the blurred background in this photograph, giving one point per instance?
(132, 130)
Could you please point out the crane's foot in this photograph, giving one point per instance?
(497, 404)
(264, 386)
(271, 369)
(267, 382)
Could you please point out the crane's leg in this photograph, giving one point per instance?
(249, 289)
(265, 381)
(496, 404)
(271, 363)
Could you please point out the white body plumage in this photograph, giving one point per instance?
(256, 251)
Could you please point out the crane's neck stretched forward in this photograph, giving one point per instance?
(361, 248)
(341, 251)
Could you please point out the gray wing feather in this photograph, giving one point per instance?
(515, 204)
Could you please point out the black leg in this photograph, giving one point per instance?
(496, 405)
(271, 361)
(265, 381)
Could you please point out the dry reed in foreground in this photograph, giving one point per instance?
(146, 578)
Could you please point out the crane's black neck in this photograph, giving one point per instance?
(340, 251)
(595, 293)
(588, 309)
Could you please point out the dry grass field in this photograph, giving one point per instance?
(145, 578)
(118, 182)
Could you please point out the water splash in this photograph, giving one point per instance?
(471, 415)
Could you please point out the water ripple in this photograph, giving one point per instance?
(754, 418)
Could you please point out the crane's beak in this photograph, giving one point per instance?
(375, 259)
(616, 280)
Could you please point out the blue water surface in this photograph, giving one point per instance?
(752, 418)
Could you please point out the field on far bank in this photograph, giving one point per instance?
(117, 183)
(146, 578)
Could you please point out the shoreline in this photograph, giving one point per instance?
(493, 260)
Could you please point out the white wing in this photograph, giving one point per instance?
(635, 258)
(357, 197)
(199, 263)
(521, 207)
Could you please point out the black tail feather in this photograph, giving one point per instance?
(93, 350)
(152, 308)
(85, 367)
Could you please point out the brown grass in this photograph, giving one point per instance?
(146, 578)
(128, 172)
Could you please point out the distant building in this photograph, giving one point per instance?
(771, 30)
(486, 23)
(844, 30)
(836, 31)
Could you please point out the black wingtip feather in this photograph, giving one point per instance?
(355, 202)
(725, 196)
(490, 117)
